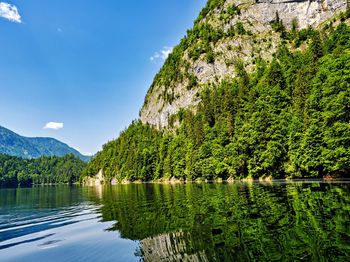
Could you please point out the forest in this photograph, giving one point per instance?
(16, 171)
(290, 118)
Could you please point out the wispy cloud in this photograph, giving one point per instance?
(161, 55)
(10, 12)
(53, 125)
(83, 152)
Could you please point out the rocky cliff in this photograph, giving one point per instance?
(227, 32)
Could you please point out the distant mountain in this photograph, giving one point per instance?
(33, 147)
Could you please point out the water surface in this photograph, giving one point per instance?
(276, 221)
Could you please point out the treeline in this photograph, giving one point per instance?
(290, 118)
(16, 171)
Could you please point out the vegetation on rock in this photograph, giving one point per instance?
(224, 32)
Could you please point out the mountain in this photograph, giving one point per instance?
(255, 90)
(34, 147)
(225, 31)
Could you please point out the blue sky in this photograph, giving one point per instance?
(78, 70)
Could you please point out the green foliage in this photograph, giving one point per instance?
(210, 6)
(210, 57)
(240, 29)
(133, 155)
(229, 13)
(192, 81)
(15, 171)
(290, 118)
(303, 35)
(295, 27)
(278, 26)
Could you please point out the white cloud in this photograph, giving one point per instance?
(86, 153)
(10, 12)
(53, 125)
(83, 152)
(161, 55)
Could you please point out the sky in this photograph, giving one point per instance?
(79, 70)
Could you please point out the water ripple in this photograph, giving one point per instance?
(26, 225)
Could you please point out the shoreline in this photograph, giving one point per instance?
(91, 181)
(183, 182)
(101, 179)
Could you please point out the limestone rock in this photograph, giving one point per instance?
(256, 17)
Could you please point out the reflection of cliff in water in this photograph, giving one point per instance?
(239, 222)
(170, 247)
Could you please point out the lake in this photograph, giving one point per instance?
(274, 221)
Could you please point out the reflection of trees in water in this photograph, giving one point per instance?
(41, 197)
(202, 222)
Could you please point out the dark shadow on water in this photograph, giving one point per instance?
(47, 243)
(25, 241)
(14, 233)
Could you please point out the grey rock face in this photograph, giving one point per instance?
(256, 16)
(306, 12)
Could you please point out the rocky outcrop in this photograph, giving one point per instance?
(96, 180)
(306, 12)
(258, 41)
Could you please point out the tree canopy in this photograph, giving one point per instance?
(16, 171)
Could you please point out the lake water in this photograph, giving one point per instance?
(276, 221)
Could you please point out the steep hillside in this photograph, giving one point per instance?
(33, 147)
(279, 107)
(289, 118)
(225, 32)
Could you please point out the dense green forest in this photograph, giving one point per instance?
(16, 171)
(289, 118)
